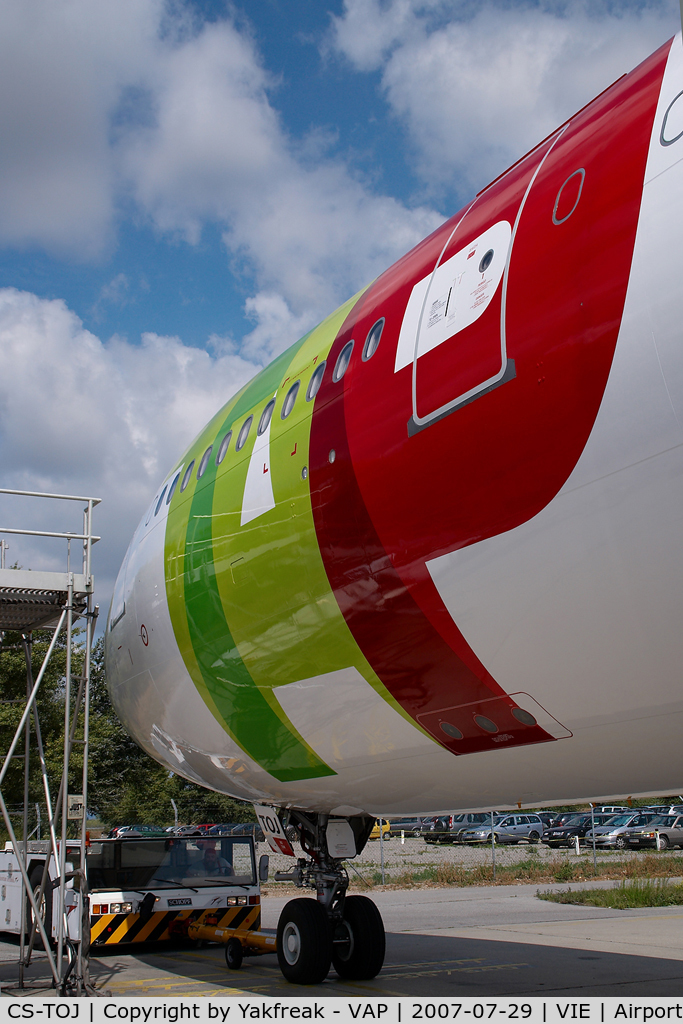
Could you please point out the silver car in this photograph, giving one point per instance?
(669, 828)
(507, 828)
(449, 829)
(613, 832)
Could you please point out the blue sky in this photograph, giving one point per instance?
(143, 281)
(187, 187)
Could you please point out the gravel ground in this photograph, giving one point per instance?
(415, 854)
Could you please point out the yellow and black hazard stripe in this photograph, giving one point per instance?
(109, 929)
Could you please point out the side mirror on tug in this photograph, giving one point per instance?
(263, 866)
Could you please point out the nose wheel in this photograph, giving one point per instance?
(358, 944)
(304, 942)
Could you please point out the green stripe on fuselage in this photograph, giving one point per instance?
(241, 705)
(251, 604)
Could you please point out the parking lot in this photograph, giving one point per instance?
(415, 862)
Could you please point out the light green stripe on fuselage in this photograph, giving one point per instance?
(251, 605)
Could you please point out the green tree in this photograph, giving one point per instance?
(125, 785)
(50, 703)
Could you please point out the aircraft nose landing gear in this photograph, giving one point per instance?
(345, 931)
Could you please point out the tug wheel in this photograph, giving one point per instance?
(45, 907)
(304, 943)
(233, 954)
(358, 943)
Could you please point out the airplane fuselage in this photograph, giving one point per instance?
(431, 557)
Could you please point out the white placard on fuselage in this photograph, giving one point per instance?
(457, 293)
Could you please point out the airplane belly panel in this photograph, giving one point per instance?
(347, 722)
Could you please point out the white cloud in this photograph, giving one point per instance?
(478, 87)
(78, 415)
(63, 64)
(102, 103)
(217, 152)
(104, 110)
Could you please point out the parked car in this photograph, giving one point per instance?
(428, 823)
(668, 826)
(136, 831)
(438, 830)
(113, 832)
(451, 828)
(410, 826)
(247, 828)
(507, 828)
(665, 809)
(612, 832)
(385, 826)
(565, 834)
(614, 809)
(222, 830)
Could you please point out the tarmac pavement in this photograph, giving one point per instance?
(487, 941)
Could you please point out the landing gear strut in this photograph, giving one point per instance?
(345, 931)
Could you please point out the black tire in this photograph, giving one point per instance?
(304, 942)
(234, 954)
(293, 834)
(664, 843)
(533, 837)
(35, 878)
(358, 944)
(620, 843)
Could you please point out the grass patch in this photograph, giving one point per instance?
(533, 869)
(658, 892)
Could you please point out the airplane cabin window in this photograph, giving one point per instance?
(372, 340)
(290, 399)
(266, 417)
(315, 382)
(160, 501)
(244, 433)
(204, 463)
(221, 453)
(343, 360)
(186, 478)
(171, 490)
(485, 262)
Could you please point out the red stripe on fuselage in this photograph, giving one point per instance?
(389, 502)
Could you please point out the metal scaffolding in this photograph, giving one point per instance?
(56, 601)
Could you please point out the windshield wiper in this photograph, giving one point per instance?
(171, 884)
(224, 881)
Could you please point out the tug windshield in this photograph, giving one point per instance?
(169, 863)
